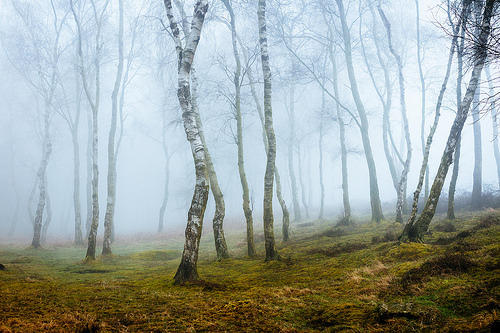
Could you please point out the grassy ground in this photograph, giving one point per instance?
(352, 279)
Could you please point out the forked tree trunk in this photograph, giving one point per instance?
(406, 167)
(279, 196)
(494, 122)
(220, 207)
(385, 99)
(94, 100)
(415, 231)
(111, 179)
(271, 252)
(430, 136)
(376, 206)
(187, 270)
(239, 133)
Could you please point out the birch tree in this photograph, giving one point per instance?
(98, 14)
(376, 206)
(186, 49)
(38, 63)
(271, 252)
(237, 81)
(415, 231)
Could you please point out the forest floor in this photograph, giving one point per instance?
(333, 279)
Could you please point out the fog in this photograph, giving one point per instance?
(151, 110)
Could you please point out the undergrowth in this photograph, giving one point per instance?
(354, 278)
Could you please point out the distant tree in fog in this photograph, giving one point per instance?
(83, 23)
(37, 62)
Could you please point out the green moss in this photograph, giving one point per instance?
(325, 281)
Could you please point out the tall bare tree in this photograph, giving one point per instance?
(237, 81)
(415, 231)
(376, 206)
(38, 64)
(406, 167)
(271, 252)
(93, 97)
(187, 270)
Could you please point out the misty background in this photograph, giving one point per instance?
(151, 110)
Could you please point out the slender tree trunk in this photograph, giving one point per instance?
(376, 206)
(456, 158)
(163, 207)
(291, 150)
(271, 252)
(187, 270)
(414, 232)
(494, 122)
(477, 173)
(320, 163)
(76, 182)
(302, 183)
(47, 150)
(88, 184)
(453, 181)
(406, 130)
(48, 217)
(342, 137)
(111, 179)
(423, 90)
(239, 133)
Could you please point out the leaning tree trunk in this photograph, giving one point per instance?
(111, 199)
(494, 122)
(406, 168)
(271, 252)
(430, 136)
(220, 207)
(187, 270)
(239, 133)
(47, 150)
(414, 232)
(376, 206)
